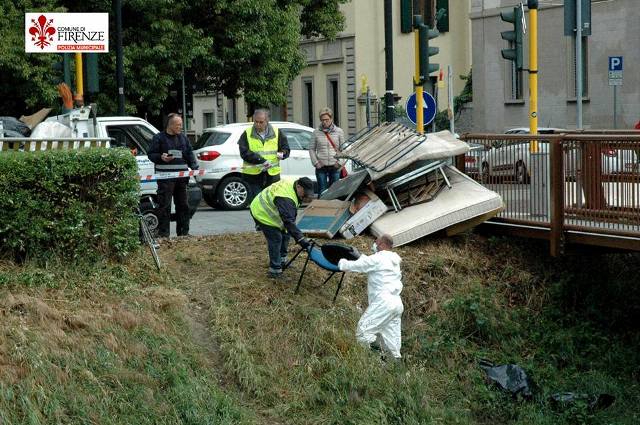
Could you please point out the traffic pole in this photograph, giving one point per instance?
(533, 72)
(417, 81)
(79, 98)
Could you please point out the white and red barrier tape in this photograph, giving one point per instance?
(191, 173)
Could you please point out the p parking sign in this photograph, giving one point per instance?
(615, 70)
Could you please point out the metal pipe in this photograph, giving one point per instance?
(579, 63)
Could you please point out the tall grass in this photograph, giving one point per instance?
(107, 346)
(468, 298)
(211, 340)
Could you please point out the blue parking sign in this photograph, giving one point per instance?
(615, 63)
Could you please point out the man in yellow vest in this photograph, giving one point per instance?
(262, 147)
(274, 211)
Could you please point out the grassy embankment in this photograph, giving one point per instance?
(217, 342)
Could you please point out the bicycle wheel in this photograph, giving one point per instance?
(151, 243)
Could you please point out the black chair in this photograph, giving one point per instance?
(326, 256)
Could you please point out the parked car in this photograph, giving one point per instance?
(473, 159)
(511, 160)
(217, 148)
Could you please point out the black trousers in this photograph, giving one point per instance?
(176, 189)
(257, 182)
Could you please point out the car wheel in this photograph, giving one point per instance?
(150, 216)
(484, 175)
(210, 199)
(233, 194)
(522, 175)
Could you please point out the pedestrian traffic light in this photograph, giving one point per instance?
(514, 54)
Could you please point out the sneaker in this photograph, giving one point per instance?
(274, 273)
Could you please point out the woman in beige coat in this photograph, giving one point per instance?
(327, 141)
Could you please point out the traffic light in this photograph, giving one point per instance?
(93, 78)
(425, 51)
(514, 17)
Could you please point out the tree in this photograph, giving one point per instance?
(26, 78)
(247, 47)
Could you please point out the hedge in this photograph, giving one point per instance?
(71, 204)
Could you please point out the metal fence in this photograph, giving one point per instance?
(571, 183)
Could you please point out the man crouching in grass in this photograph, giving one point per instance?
(384, 285)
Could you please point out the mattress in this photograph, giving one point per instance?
(464, 201)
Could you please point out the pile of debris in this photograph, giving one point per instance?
(402, 185)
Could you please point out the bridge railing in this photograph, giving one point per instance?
(570, 183)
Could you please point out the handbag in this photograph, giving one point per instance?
(343, 170)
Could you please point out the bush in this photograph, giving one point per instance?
(70, 204)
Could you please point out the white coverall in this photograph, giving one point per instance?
(385, 306)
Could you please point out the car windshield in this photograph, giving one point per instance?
(211, 138)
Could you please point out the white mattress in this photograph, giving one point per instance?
(465, 200)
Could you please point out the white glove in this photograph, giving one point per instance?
(266, 165)
(280, 155)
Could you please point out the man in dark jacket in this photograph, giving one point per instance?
(262, 147)
(171, 151)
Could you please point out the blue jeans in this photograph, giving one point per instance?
(326, 176)
(277, 245)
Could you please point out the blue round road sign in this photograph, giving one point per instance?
(428, 108)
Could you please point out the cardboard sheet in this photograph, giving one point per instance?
(324, 218)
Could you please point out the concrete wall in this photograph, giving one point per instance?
(615, 32)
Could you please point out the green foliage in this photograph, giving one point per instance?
(27, 79)
(75, 204)
(465, 96)
(247, 47)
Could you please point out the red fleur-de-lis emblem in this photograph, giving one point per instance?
(42, 31)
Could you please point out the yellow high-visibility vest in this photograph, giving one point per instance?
(268, 150)
(264, 210)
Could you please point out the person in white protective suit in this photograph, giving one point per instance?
(384, 285)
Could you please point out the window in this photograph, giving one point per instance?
(333, 98)
(514, 81)
(207, 120)
(307, 102)
(132, 137)
(573, 81)
(298, 139)
(211, 138)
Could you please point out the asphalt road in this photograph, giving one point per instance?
(209, 221)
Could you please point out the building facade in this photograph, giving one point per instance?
(501, 94)
(348, 73)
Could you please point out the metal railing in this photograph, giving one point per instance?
(20, 144)
(579, 183)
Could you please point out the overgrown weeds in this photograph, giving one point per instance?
(118, 347)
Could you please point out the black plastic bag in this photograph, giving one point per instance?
(509, 377)
(13, 124)
(594, 402)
